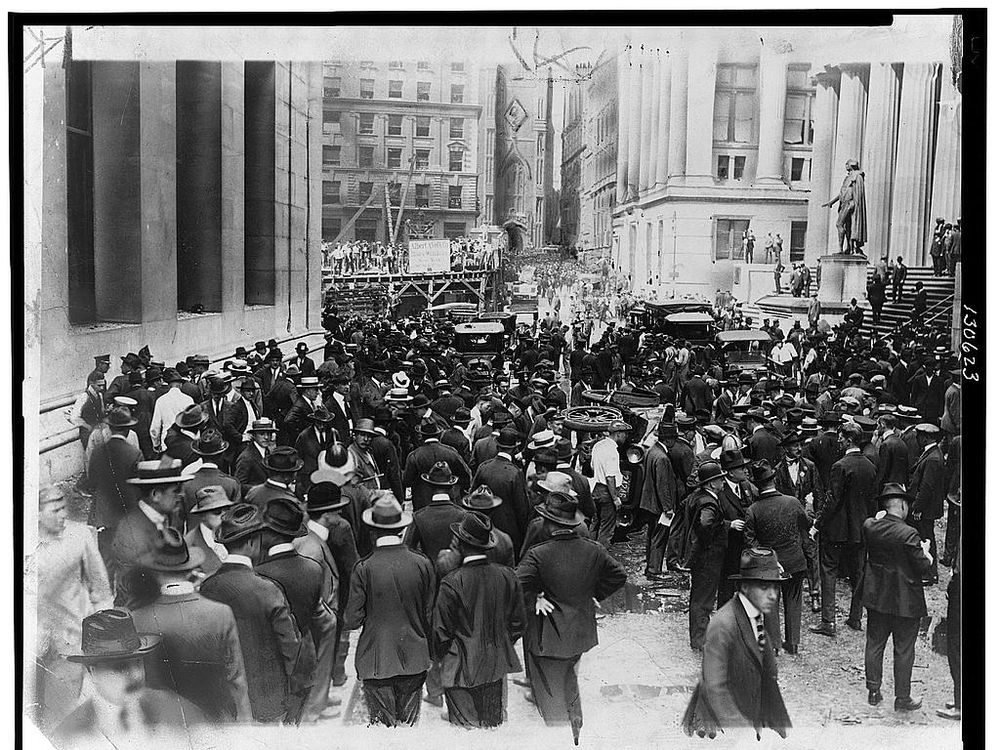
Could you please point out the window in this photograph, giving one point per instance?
(797, 244)
(455, 160)
(395, 89)
(80, 192)
(735, 104)
(423, 196)
(367, 88)
(331, 228)
(454, 196)
(454, 229)
(366, 156)
(729, 238)
(423, 91)
(366, 229)
(368, 65)
(395, 191)
(331, 156)
(364, 191)
(801, 170)
(489, 209)
(395, 65)
(331, 192)
(366, 123)
(331, 122)
(393, 158)
(331, 88)
(737, 165)
(457, 93)
(456, 129)
(423, 127)
(723, 169)
(458, 67)
(423, 65)
(798, 120)
(423, 158)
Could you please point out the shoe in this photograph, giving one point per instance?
(950, 712)
(650, 575)
(825, 628)
(930, 581)
(435, 700)
(817, 604)
(529, 697)
(333, 700)
(444, 715)
(874, 697)
(854, 624)
(791, 648)
(339, 680)
(949, 704)
(521, 683)
(908, 704)
(330, 712)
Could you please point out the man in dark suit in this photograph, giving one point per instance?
(796, 476)
(919, 304)
(222, 413)
(762, 443)
(709, 532)
(928, 485)
(385, 453)
(297, 418)
(739, 674)
(203, 520)
(898, 277)
(302, 360)
(455, 434)
(927, 391)
(851, 500)
(736, 496)
(824, 451)
(431, 530)
(183, 432)
(658, 500)
(269, 372)
(339, 406)
(478, 616)
(282, 465)
(561, 578)
(697, 393)
(249, 470)
(368, 391)
(199, 656)
(391, 600)
(897, 561)
(420, 461)
(211, 446)
(279, 399)
(143, 411)
(506, 481)
(776, 521)
(892, 455)
(269, 638)
(110, 467)
(309, 444)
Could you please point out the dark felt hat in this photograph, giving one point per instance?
(283, 460)
(324, 494)
(475, 529)
(561, 509)
(732, 459)
(761, 471)
(191, 417)
(760, 564)
(170, 553)
(708, 471)
(481, 498)
(284, 516)
(440, 475)
(210, 443)
(239, 521)
(110, 635)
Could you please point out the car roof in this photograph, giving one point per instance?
(725, 337)
(479, 329)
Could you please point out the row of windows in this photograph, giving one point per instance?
(733, 167)
(422, 193)
(393, 158)
(393, 124)
(729, 240)
(368, 228)
(456, 67)
(333, 89)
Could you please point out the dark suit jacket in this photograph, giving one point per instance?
(308, 447)
(262, 494)
(502, 553)
(392, 599)
(583, 494)
(199, 656)
(269, 639)
(110, 465)
(927, 398)
(572, 571)
(134, 536)
(484, 449)
(266, 377)
(420, 462)
(278, 401)
(739, 682)
(315, 548)
(763, 444)
(209, 476)
(893, 461)
(824, 451)
(249, 470)
(457, 440)
(387, 458)
(682, 457)
(777, 521)
(430, 531)
(478, 615)
(659, 485)
(178, 445)
(851, 499)
(305, 364)
(895, 567)
(808, 480)
(928, 484)
(341, 419)
(506, 481)
(224, 419)
(697, 395)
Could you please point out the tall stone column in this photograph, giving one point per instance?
(634, 115)
(946, 193)
(623, 107)
(878, 154)
(824, 133)
(850, 131)
(663, 131)
(912, 181)
(701, 107)
(677, 148)
(773, 87)
(647, 160)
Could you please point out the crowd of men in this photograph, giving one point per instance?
(245, 515)
(364, 257)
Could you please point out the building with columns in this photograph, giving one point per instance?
(731, 130)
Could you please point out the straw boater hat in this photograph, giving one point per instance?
(165, 471)
(387, 513)
(110, 635)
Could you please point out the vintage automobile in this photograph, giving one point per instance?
(683, 319)
(744, 350)
(507, 319)
(481, 342)
(458, 311)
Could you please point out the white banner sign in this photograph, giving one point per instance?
(430, 256)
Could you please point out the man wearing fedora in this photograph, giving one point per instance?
(422, 459)
(391, 600)
(365, 466)
(501, 552)
(892, 456)
(762, 443)
(559, 490)
(302, 359)
(269, 372)
(738, 688)
(561, 578)
(824, 451)
(211, 447)
(249, 469)
(455, 435)
(898, 560)
(928, 485)
(658, 499)
(110, 466)
(709, 535)
(506, 481)
(120, 709)
(306, 402)
(430, 531)
(339, 405)
(385, 449)
(851, 499)
(184, 431)
(478, 616)
(368, 390)
(485, 442)
(795, 475)
(204, 518)
(199, 656)
(220, 409)
(268, 635)
(777, 521)
(282, 466)
(736, 496)
(310, 443)
(90, 407)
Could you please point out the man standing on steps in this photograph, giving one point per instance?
(898, 277)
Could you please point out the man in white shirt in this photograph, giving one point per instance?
(167, 407)
(606, 463)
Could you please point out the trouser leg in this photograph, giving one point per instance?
(858, 557)
(829, 560)
(904, 641)
(876, 635)
(607, 519)
(811, 549)
(461, 707)
(791, 595)
(434, 687)
(407, 690)
(656, 543)
(556, 690)
(381, 701)
(704, 585)
(955, 636)
(326, 650)
(340, 657)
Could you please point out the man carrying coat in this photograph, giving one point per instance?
(897, 561)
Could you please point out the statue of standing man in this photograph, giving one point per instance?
(852, 213)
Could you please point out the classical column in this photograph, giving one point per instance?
(824, 133)
(634, 115)
(912, 181)
(677, 148)
(701, 107)
(663, 120)
(623, 108)
(647, 162)
(773, 87)
(946, 193)
(877, 156)
(850, 131)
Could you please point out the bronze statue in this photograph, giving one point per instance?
(852, 213)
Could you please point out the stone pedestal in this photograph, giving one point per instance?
(842, 277)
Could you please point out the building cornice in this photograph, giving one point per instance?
(680, 194)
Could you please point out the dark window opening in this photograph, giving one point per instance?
(258, 180)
